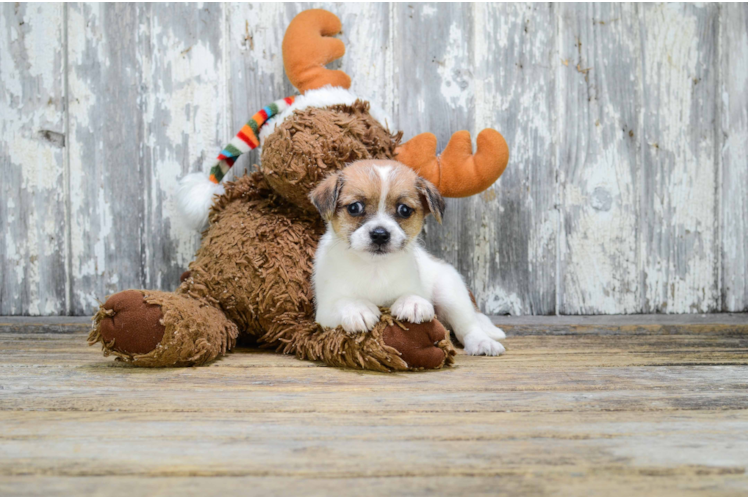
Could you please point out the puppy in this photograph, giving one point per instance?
(370, 256)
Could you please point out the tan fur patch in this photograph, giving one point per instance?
(360, 184)
(402, 190)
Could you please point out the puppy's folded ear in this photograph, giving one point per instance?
(325, 195)
(431, 198)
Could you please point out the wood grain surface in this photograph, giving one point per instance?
(654, 407)
(734, 155)
(627, 124)
(34, 217)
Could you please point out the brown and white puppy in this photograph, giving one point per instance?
(370, 256)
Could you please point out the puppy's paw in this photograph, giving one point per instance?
(493, 331)
(478, 344)
(413, 309)
(359, 316)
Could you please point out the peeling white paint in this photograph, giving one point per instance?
(618, 249)
(32, 272)
(254, 33)
(44, 54)
(92, 217)
(734, 155)
(186, 124)
(36, 161)
(512, 85)
(484, 255)
(369, 54)
(455, 72)
(499, 301)
(680, 263)
(428, 10)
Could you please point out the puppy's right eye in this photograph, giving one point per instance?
(356, 208)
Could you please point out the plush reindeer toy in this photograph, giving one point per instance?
(252, 274)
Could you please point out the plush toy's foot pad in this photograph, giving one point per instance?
(151, 328)
(129, 324)
(389, 347)
(424, 345)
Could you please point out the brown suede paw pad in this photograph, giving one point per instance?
(424, 345)
(131, 324)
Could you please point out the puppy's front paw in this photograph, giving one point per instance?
(413, 309)
(478, 344)
(359, 316)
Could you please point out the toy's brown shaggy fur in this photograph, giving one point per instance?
(251, 276)
(303, 151)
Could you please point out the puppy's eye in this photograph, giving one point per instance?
(404, 211)
(356, 208)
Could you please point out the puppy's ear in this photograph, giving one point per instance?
(325, 195)
(431, 198)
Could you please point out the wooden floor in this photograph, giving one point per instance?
(577, 406)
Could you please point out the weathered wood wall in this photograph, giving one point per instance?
(627, 189)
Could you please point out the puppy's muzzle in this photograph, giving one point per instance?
(380, 237)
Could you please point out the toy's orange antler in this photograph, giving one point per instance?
(457, 172)
(308, 46)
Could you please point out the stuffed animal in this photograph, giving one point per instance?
(251, 275)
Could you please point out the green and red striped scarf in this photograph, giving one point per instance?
(247, 139)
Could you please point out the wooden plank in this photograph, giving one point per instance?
(45, 324)
(678, 217)
(33, 223)
(508, 234)
(650, 324)
(513, 325)
(647, 482)
(734, 151)
(384, 446)
(577, 351)
(598, 158)
(369, 59)
(106, 166)
(558, 414)
(539, 374)
(471, 379)
(187, 112)
(244, 401)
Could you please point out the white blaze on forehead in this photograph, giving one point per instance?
(384, 173)
(360, 239)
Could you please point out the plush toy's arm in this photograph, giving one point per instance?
(308, 45)
(457, 172)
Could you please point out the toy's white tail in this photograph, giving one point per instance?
(194, 199)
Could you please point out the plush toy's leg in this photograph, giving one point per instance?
(149, 328)
(390, 346)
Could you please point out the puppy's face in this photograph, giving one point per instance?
(377, 206)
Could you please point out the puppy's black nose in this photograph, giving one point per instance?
(379, 236)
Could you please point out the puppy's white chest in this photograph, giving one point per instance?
(383, 283)
(341, 273)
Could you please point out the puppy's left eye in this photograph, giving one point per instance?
(356, 208)
(404, 211)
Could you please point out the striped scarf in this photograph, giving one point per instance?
(247, 139)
